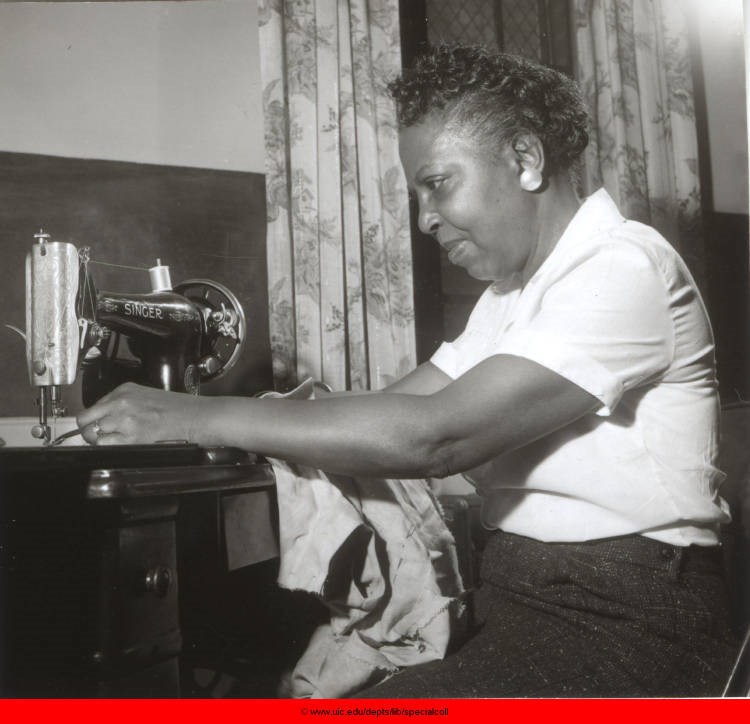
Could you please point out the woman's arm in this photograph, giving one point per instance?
(423, 380)
(502, 403)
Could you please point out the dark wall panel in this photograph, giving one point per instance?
(728, 301)
(200, 222)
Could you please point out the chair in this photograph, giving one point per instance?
(738, 683)
(461, 514)
(735, 462)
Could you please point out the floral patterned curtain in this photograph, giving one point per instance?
(635, 71)
(339, 250)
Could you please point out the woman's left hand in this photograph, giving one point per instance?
(132, 414)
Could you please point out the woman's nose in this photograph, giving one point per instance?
(429, 221)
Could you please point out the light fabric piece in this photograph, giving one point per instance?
(340, 290)
(634, 68)
(380, 556)
(615, 310)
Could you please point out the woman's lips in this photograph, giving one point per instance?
(455, 248)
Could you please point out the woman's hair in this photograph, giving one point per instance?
(493, 98)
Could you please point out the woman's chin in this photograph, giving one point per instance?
(481, 275)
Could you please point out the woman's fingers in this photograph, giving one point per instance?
(134, 414)
(114, 438)
(102, 406)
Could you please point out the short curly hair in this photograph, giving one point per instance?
(495, 97)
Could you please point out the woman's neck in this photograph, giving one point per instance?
(557, 206)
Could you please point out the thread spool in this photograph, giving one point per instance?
(160, 279)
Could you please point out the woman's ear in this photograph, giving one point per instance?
(530, 159)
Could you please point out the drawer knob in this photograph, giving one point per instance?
(158, 580)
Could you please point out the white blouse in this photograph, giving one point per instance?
(615, 310)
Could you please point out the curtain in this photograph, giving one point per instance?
(635, 72)
(341, 306)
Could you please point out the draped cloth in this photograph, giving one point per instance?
(634, 68)
(379, 555)
(340, 291)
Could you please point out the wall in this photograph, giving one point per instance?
(746, 14)
(721, 110)
(720, 36)
(174, 83)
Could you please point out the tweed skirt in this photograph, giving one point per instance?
(623, 617)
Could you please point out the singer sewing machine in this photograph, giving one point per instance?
(176, 337)
(118, 563)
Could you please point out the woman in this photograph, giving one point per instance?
(581, 400)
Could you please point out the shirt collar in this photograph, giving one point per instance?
(597, 214)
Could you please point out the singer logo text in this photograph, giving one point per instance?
(135, 309)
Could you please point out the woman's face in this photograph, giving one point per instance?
(469, 201)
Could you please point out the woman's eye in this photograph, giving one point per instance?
(433, 183)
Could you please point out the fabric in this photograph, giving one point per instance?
(338, 238)
(379, 555)
(634, 69)
(614, 310)
(615, 618)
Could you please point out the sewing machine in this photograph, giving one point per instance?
(176, 337)
(117, 563)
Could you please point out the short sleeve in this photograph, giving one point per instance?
(485, 325)
(446, 358)
(605, 324)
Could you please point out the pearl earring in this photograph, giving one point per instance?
(531, 179)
